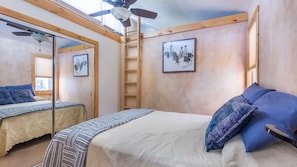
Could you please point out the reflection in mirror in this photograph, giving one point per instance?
(27, 79)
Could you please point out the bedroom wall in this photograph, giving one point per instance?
(109, 51)
(77, 89)
(277, 48)
(220, 66)
(15, 60)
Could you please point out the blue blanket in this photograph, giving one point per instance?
(14, 111)
(69, 146)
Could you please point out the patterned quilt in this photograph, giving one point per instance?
(69, 146)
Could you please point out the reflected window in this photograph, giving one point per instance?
(42, 74)
(43, 84)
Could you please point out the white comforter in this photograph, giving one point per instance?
(167, 139)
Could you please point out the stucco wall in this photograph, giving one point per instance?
(277, 44)
(15, 61)
(220, 66)
(77, 89)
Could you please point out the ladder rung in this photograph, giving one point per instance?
(131, 83)
(130, 95)
(131, 58)
(129, 107)
(132, 38)
(131, 70)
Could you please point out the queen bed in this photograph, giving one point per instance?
(22, 120)
(233, 136)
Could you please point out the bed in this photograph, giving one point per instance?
(233, 136)
(23, 121)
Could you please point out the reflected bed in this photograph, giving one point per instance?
(26, 126)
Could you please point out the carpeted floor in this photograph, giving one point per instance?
(28, 154)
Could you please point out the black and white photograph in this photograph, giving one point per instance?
(179, 55)
(80, 65)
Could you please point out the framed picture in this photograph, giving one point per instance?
(80, 65)
(179, 56)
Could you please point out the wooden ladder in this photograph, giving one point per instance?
(131, 67)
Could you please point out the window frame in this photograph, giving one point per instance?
(252, 71)
(47, 93)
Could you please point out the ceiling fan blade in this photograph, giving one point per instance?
(100, 13)
(131, 1)
(143, 13)
(126, 23)
(22, 33)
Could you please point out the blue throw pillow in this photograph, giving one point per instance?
(19, 87)
(277, 108)
(2, 88)
(227, 122)
(5, 97)
(21, 96)
(254, 92)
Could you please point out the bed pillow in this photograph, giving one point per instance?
(277, 108)
(227, 122)
(5, 97)
(22, 95)
(254, 92)
(2, 88)
(19, 87)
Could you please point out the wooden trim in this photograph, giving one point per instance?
(74, 48)
(31, 20)
(57, 8)
(254, 19)
(242, 17)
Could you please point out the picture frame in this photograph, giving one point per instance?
(179, 56)
(81, 65)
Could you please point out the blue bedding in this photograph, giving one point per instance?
(69, 146)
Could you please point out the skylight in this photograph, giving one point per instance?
(91, 6)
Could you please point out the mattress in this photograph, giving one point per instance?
(168, 139)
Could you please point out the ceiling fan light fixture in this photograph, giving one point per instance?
(121, 13)
(40, 37)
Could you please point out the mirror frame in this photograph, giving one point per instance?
(31, 20)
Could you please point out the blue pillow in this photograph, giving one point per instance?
(254, 92)
(19, 87)
(277, 108)
(22, 95)
(5, 97)
(227, 122)
(2, 88)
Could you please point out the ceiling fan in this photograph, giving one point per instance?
(122, 12)
(35, 34)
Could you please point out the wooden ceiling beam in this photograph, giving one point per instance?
(242, 17)
(57, 8)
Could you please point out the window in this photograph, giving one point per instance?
(92, 6)
(42, 78)
(253, 49)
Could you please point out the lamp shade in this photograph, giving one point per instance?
(121, 13)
